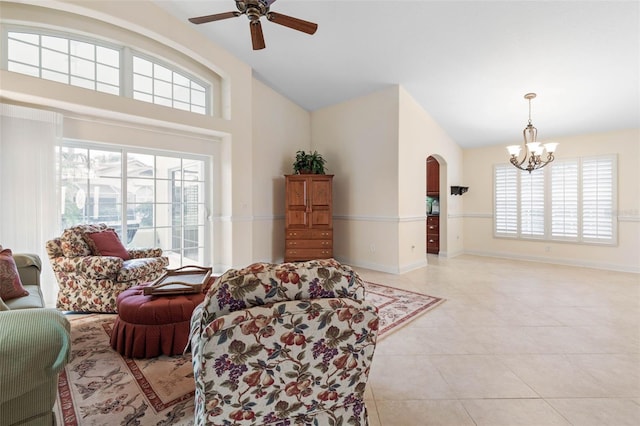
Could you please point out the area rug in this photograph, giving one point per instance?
(100, 387)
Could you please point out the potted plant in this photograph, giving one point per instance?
(311, 162)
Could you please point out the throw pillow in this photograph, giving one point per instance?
(106, 243)
(10, 284)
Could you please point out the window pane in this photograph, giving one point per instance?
(198, 98)
(142, 84)
(162, 101)
(180, 79)
(140, 191)
(105, 164)
(81, 82)
(140, 165)
(24, 69)
(180, 93)
(142, 97)
(55, 61)
(83, 50)
(160, 88)
(108, 75)
(56, 43)
(107, 88)
(142, 66)
(55, 76)
(162, 73)
(108, 56)
(23, 52)
(29, 38)
(167, 166)
(83, 68)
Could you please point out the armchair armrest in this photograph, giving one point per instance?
(145, 253)
(95, 267)
(22, 368)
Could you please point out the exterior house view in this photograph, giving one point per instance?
(120, 113)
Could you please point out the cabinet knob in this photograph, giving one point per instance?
(432, 227)
(432, 241)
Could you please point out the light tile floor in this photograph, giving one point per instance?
(516, 343)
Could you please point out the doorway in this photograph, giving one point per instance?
(433, 205)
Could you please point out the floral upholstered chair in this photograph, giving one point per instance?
(93, 267)
(283, 344)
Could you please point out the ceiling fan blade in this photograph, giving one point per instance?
(215, 17)
(291, 22)
(257, 39)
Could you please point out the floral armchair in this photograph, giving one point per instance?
(282, 345)
(90, 282)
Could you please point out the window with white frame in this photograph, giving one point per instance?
(104, 67)
(151, 199)
(569, 200)
(57, 58)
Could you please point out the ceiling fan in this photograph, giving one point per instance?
(255, 9)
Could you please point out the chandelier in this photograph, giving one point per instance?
(533, 150)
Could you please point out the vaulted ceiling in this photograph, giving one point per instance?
(467, 63)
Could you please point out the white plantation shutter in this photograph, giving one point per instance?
(506, 200)
(532, 203)
(579, 201)
(564, 199)
(597, 198)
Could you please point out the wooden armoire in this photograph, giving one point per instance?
(308, 217)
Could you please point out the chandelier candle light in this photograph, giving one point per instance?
(533, 150)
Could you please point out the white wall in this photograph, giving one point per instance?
(280, 128)
(478, 205)
(359, 140)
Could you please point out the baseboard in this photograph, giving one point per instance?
(556, 261)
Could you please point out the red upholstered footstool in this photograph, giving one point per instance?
(148, 326)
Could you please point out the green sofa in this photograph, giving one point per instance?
(34, 347)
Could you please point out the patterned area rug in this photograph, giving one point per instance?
(100, 387)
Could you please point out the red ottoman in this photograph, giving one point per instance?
(148, 326)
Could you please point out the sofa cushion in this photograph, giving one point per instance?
(72, 239)
(34, 299)
(10, 284)
(106, 243)
(134, 269)
(3, 307)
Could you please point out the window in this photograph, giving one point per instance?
(100, 66)
(150, 199)
(158, 84)
(61, 59)
(570, 200)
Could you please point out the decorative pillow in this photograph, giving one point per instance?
(106, 243)
(72, 241)
(10, 284)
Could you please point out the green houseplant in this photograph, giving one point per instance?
(311, 162)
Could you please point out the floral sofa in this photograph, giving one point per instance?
(92, 283)
(283, 344)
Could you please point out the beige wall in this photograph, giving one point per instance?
(280, 128)
(359, 139)
(419, 137)
(478, 205)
